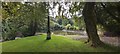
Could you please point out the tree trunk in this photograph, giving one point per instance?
(32, 28)
(90, 22)
(48, 32)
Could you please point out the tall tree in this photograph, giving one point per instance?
(48, 25)
(37, 16)
(48, 32)
(25, 18)
(90, 22)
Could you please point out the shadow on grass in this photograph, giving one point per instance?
(111, 47)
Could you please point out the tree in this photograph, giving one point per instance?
(38, 16)
(90, 22)
(10, 20)
(48, 32)
(26, 18)
(107, 15)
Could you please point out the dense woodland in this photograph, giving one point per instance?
(26, 19)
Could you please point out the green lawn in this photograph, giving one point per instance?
(56, 44)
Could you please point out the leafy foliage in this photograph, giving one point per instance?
(108, 16)
(24, 18)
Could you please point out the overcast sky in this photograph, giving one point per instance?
(53, 11)
(65, 8)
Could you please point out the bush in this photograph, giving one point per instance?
(68, 26)
(9, 35)
(58, 27)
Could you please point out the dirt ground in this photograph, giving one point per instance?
(110, 40)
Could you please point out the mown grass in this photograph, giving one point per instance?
(56, 44)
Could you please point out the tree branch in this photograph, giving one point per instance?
(113, 16)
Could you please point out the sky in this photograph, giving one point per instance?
(53, 11)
